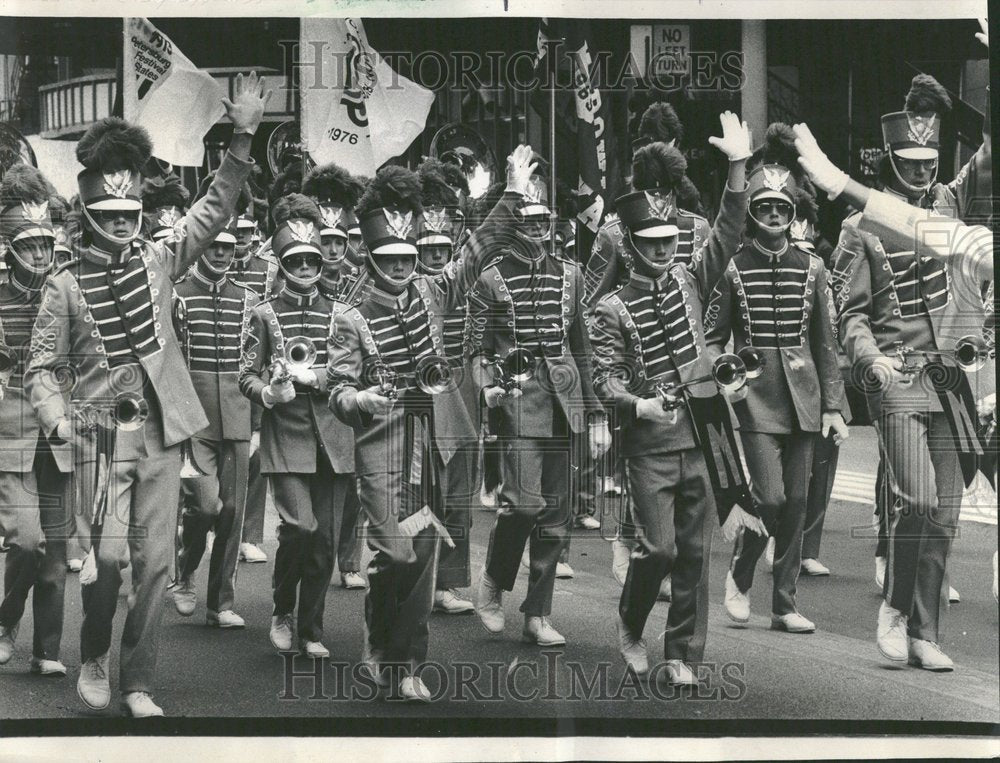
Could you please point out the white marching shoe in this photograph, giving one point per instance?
(43, 667)
(814, 567)
(953, 596)
(412, 689)
(793, 622)
(93, 685)
(680, 674)
(737, 603)
(632, 649)
(251, 553)
(224, 619)
(449, 602)
(138, 704)
(489, 605)
(282, 627)
(928, 655)
(538, 630)
(891, 633)
(769, 554)
(564, 571)
(7, 638)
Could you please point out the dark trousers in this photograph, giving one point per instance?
(352, 532)
(308, 508)
(534, 509)
(401, 573)
(671, 496)
(885, 508)
(216, 502)
(461, 494)
(492, 450)
(253, 518)
(35, 520)
(923, 470)
(824, 470)
(779, 466)
(140, 521)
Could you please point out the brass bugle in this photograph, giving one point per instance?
(433, 375)
(729, 372)
(517, 366)
(385, 378)
(189, 467)
(972, 353)
(300, 353)
(129, 411)
(753, 360)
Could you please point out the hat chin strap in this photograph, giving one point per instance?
(210, 269)
(773, 228)
(300, 284)
(921, 189)
(242, 252)
(31, 267)
(395, 283)
(646, 264)
(119, 241)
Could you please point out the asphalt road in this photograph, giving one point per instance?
(751, 673)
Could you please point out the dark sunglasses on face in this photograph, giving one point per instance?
(912, 165)
(110, 215)
(294, 261)
(769, 207)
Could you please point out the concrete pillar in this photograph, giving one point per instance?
(753, 97)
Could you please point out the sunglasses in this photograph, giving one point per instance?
(110, 215)
(293, 261)
(913, 164)
(768, 207)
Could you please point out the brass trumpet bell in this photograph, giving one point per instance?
(729, 372)
(189, 467)
(753, 361)
(971, 353)
(300, 353)
(433, 375)
(518, 365)
(129, 411)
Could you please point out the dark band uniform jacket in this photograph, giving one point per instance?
(781, 306)
(628, 326)
(364, 333)
(71, 339)
(290, 431)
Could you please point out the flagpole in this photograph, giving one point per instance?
(553, 66)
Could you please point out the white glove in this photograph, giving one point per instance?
(373, 403)
(735, 140)
(283, 392)
(824, 173)
(887, 371)
(600, 439)
(306, 377)
(652, 410)
(254, 442)
(495, 396)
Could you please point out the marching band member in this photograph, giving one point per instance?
(530, 301)
(105, 322)
(404, 437)
(892, 297)
(774, 297)
(307, 455)
(257, 272)
(164, 202)
(337, 192)
(217, 312)
(436, 229)
(648, 333)
(35, 514)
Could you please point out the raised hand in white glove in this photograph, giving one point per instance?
(520, 168)
(735, 140)
(824, 173)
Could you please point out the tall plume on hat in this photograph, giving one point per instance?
(435, 190)
(805, 203)
(927, 95)
(333, 184)
(659, 165)
(660, 122)
(22, 182)
(778, 148)
(296, 206)
(112, 145)
(449, 171)
(166, 191)
(393, 187)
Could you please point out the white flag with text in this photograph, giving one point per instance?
(168, 95)
(356, 111)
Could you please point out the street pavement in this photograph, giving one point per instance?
(751, 672)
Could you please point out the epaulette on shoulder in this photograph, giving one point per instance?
(65, 266)
(611, 221)
(695, 215)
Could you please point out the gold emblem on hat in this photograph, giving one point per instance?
(661, 206)
(399, 225)
(118, 184)
(169, 216)
(301, 230)
(921, 128)
(436, 220)
(775, 179)
(331, 215)
(35, 212)
(799, 230)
